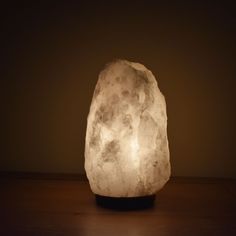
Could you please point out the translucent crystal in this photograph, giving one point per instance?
(126, 150)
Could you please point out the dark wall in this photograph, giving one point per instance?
(52, 55)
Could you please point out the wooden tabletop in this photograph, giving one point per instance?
(67, 207)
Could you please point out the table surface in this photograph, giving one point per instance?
(67, 207)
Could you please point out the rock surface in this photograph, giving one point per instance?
(126, 150)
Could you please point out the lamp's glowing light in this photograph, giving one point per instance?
(134, 151)
(126, 152)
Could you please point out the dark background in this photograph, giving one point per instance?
(51, 55)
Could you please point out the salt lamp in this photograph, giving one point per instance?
(126, 148)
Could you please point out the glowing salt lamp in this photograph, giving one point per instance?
(126, 150)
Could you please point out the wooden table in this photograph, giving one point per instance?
(67, 207)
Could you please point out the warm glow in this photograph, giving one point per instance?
(126, 152)
(134, 151)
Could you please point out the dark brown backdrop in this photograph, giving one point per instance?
(51, 57)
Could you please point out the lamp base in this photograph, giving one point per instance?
(125, 203)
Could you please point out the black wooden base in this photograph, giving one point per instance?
(125, 203)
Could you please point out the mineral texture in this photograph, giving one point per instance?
(126, 149)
